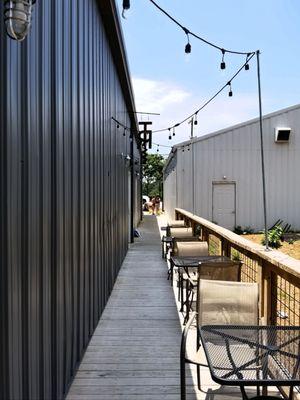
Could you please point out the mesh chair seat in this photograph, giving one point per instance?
(242, 352)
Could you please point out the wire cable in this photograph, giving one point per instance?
(188, 32)
(209, 100)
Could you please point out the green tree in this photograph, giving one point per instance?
(153, 175)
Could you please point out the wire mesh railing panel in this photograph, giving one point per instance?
(214, 245)
(286, 301)
(249, 271)
(279, 279)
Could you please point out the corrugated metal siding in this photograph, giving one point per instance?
(64, 229)
(235, 153)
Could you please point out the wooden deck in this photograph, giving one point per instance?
(134, 353)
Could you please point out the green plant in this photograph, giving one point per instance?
(274, 237)
(235, 255)
(248, 230)
(238, 230)
(243, 231)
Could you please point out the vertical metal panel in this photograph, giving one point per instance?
(233, 154)
(63, 187)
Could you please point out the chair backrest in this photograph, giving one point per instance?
(181, 232)
(192, 249)
(227, 303)
(176, 224)
(227, 270)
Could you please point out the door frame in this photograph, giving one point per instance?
(214, 183)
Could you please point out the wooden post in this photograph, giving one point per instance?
(260, 281)
(267, 293)
(205, 235)
(225, 248)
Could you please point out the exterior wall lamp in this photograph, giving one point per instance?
(17, 18)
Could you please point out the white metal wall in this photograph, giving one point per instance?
(235, 154)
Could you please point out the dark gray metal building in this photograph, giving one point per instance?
(69, 195)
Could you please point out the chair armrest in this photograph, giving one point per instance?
(185, 334)
(190, 281)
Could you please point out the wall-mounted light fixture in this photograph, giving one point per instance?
(17, 18)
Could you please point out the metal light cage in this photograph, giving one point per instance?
(17, 18)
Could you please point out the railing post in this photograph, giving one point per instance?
(267, 293)
(260, 281)
(225, 248)
(193, 224)
(205, 234)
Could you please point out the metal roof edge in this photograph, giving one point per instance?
(233, 127)
(170, 156)
(113, 28)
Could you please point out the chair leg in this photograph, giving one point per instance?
(198, 377)
(182, 379)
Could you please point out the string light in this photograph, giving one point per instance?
(188, 32)
(247, 65)
(124, 133)
(230, 94)
(195, 120)
(188, 47)
(209, 100)
(126, 6)
(223, 64)
(157, 150)
(174, 131)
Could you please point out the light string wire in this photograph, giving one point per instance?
(249, 55)
(209, 100)
(120, 124)
(162, 145)
(188, 32)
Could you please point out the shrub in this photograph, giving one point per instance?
(274, 237)
(243, 231)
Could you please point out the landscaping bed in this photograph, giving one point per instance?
(291, 248)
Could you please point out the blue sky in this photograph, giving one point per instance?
(168, 81)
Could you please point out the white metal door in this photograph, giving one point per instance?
(224, 204)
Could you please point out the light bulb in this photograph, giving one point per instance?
(17, 17)
(223, 65)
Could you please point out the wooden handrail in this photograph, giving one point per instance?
(274, 257)
(278, 274)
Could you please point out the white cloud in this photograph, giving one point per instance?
(156, 96)
(175, 103)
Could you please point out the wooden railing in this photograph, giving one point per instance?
(278, 275)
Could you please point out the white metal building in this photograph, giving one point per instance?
(218, 176)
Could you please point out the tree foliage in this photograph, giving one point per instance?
(153, 175)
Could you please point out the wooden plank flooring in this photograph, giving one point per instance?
(134, 353)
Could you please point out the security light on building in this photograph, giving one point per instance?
(282, 135)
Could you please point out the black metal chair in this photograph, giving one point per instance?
(220, 303)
